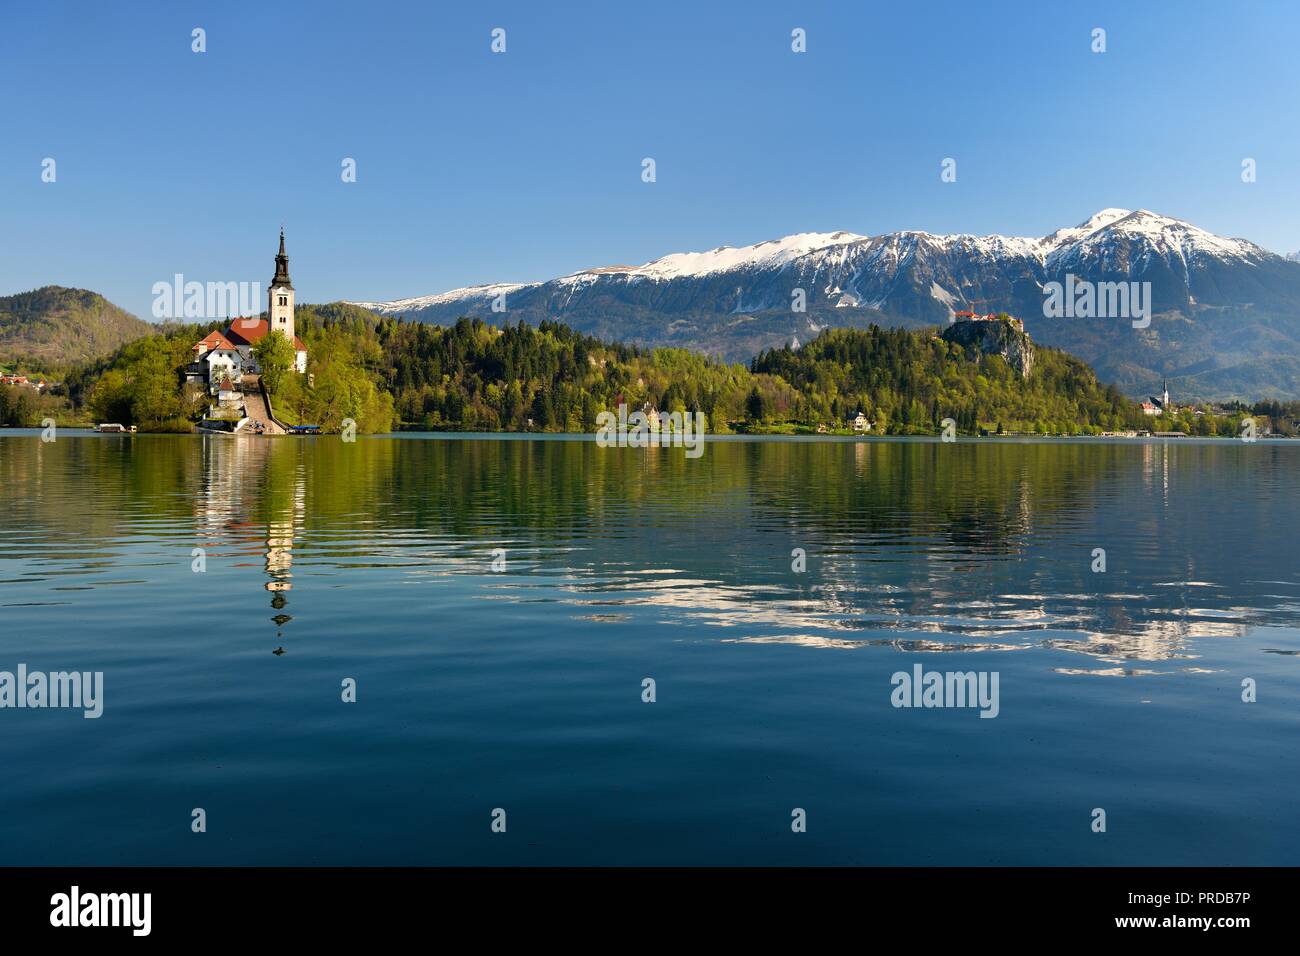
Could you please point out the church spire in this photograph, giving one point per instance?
(281, 266)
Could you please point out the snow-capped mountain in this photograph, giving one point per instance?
(736, 301)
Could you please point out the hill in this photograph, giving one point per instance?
(473, 376)
(55, 327)
(983, 375)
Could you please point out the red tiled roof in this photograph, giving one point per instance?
(213, 340)
(250, 331)
(246, 331)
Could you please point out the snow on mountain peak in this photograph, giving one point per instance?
(1104, 217)
(770, 254)
(1099, 220)
(1164, 235)
(845, 262)
(474, 292)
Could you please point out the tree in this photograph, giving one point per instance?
(275, 355)
(16, 407)
(755, 406)
(543, 410)
(155, 395)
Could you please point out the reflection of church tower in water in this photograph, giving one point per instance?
(280, 532)
(279, 563)
(252, 504)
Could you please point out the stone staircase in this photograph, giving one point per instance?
(256, 408)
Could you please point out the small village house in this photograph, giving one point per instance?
(227, 393)
(22, 380)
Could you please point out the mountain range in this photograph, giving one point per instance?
(1225, 312)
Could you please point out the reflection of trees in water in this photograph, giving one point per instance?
(957, 491)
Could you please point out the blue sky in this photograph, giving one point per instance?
(474, 167)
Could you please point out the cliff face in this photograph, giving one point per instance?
(994, 337)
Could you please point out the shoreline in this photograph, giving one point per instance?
(84, 432)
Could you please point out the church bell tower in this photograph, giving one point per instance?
(279, 311)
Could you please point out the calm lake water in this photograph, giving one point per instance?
(522, 689)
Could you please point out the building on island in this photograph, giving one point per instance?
(229, 354)
(223, 360)
(217, 359)
(279, 310)
(860, 423)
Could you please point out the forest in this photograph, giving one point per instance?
(389, 374)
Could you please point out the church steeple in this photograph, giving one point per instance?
(281, 266)
(279, 298)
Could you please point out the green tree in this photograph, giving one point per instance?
(156, 399)
(275, 355)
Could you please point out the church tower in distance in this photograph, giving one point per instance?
(279, 311)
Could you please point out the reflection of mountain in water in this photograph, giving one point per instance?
(935, 622)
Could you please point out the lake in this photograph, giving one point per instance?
(227, 589)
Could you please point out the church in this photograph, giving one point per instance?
(1161, 405)
(223, 358)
